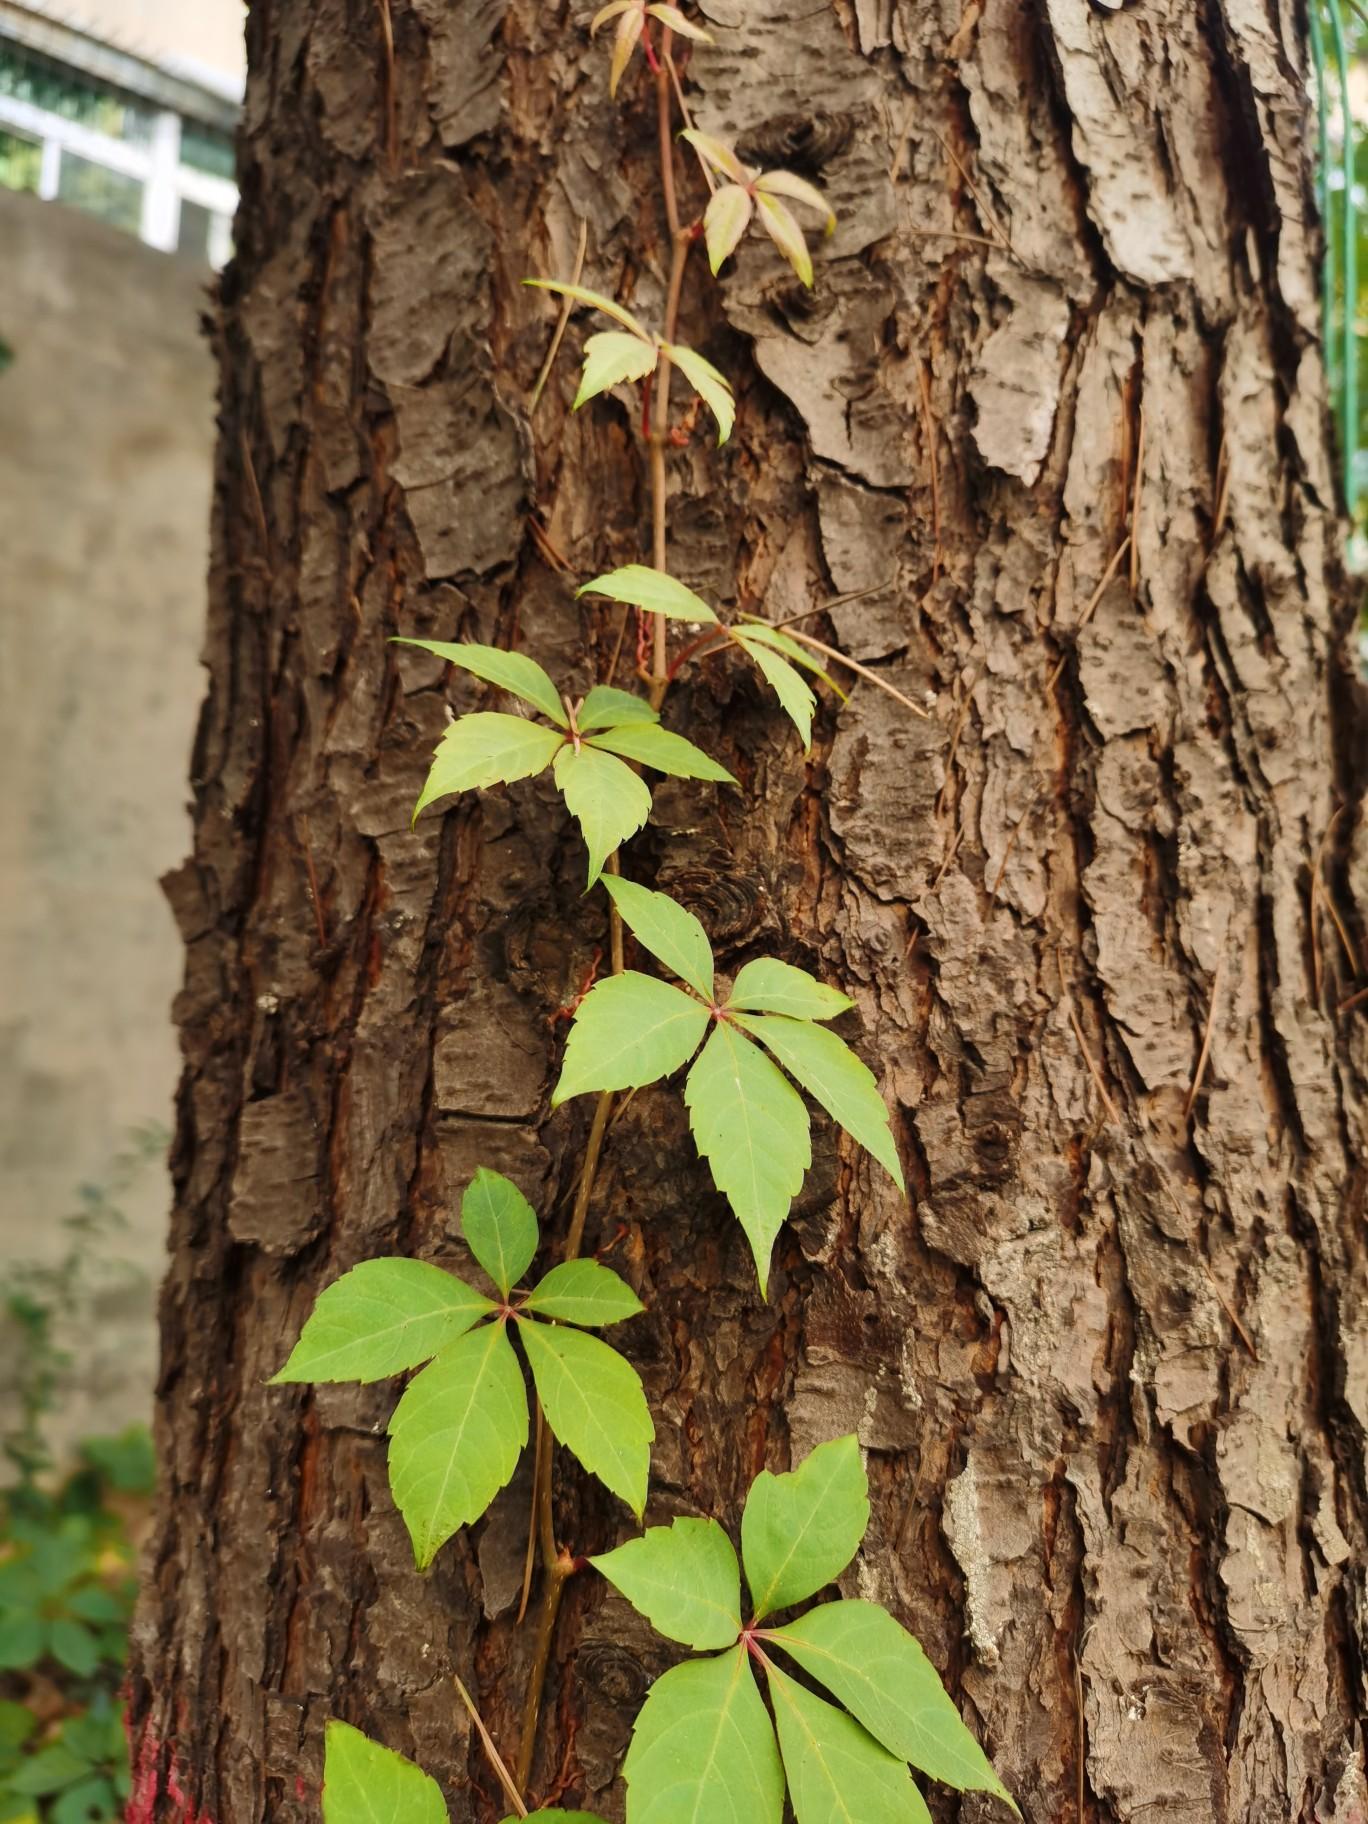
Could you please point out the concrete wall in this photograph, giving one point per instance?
(105, 448)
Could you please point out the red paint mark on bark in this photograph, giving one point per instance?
(146, 1788)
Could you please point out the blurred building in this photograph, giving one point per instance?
(126, 109)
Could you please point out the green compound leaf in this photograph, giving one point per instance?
(485, 749)
(641, 587)
(364, 1783)
(382, 1318)
(712, 388)
(728, 216)
(630, 1030)
(605, 707)
(23, 1639)
(73, 1645)
(829, 1070)
(796, 700)
(610, 358)
(837, 1774)
(500, 1226)
(666, 752)
(584, 1292)
(595, 1404)
(780, 224)
(684, 1579)
(664, 927)
(606, 798)
(509, 670)
(456, 1436)
(799, 1531)
(879, 1672)
(47, 1771)
(595, 299)
(769, 986)
(750, 1124)
(703, 1750)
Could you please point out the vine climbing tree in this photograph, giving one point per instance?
(860, 478)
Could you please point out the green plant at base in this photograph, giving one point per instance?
(461, 1425)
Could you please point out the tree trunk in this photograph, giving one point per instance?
(1055, 413)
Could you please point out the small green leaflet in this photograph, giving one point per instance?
(364, 1783)
(512, 671)
(717, 156)
(610, 358)
(794, 696)
(593, 1401)
(630, 1030)
(671, 16)
(727, 218)
(595, 299)
(779, 223)
(879, 1672)
(798, 190)
(606, 798)
(500, 1226)
(799, 1531)
(711, 387)
(837, 1774)
(684, 1579)
(769, 986)
(703, 1749)
(671, 933)
(382, 1318)
(605, 707)
(829, 1070)
(650, 745)
(584, 1292)
(750, 1124)
(784, 643)
(487, 748)
(456, 1436)
(652, 590)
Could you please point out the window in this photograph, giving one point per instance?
(21, 161)
(100, 191)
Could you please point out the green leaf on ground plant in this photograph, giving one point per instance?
(795, 698)
(668, 930)
(23, 1639)
(456, 1436)
(17, 1724)
(584, 1292)
(364, 1783)
(684, 1579)
(769, 986)
(838, 1774)
(487, 748)
(48, 1771)
(610, 358)
(727, 218)
(653, 746)
(605, 797)
(512, 671)
(703, 1749)
(750, 1124)
(799, 1531)
(880, 1673)
(382, 1318)
(829, 1070)
(595, 299)
(605, 707)
(500, 1227)
(73, 1645)
(595, 1404)
(712, 388)
(630, 1030)
(652, 590)
(783, 229)
(93, 1801)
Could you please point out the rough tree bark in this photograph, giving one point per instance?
(1111, 1366)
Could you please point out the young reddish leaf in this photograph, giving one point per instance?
(727, 219)
(596, 301)
(653, 590)
(720, 157)
(611, 11)
(711, 387)
(629, 31)
(611, 357)
(797, 190)
(671, 16)
(787, 236)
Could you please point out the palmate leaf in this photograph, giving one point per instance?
(595, 1404)
(605, 707)
(512, 671)
(610, 358)
(712, 387)
(584, 1292)
(703, 1749)
(607, 799)
(750, 1124)
(656, 747)
(668, 930)
(500, 1226)
(779, 223)
(485, 749)
(727, 218)
(829, 1070)
(630, 1030)
(684, 1579)
(799, 1531)
(456, 1436)
(652, 590)
(837, 1773)
(794, 696)
(879, 1672)
(364, 1783)
(382, 1318)
(769, 986)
